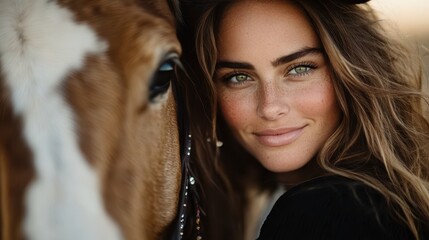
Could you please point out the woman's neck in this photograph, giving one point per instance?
(309, 171)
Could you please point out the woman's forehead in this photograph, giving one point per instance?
(264, 27)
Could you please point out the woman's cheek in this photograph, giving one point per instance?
(235, 109)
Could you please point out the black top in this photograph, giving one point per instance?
(331, 208)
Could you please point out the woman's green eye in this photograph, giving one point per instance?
(238, 78)
(241, 78)
(299, 70)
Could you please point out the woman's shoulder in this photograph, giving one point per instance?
(332, 207)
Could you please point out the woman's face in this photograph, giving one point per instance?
(275, 91)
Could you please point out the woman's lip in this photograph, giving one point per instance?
(278, 137)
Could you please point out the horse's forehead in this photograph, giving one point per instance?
(131, 28)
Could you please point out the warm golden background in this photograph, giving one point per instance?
(411, 19)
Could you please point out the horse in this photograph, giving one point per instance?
(89, 132)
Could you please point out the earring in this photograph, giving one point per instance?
(218, 143)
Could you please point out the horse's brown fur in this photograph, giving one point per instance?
(132, 143)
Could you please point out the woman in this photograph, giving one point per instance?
(318, 94)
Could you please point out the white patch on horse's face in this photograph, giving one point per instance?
(40, 45)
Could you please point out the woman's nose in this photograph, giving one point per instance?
(272, 103)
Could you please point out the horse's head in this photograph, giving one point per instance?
(88, 133)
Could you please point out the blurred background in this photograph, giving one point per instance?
(411, 19)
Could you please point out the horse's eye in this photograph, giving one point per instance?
(162, 78)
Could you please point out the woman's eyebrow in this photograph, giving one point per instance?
(231, 64)
(290, 57)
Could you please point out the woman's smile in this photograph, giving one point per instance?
(278, 137)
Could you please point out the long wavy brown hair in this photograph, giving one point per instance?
(383, 136)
